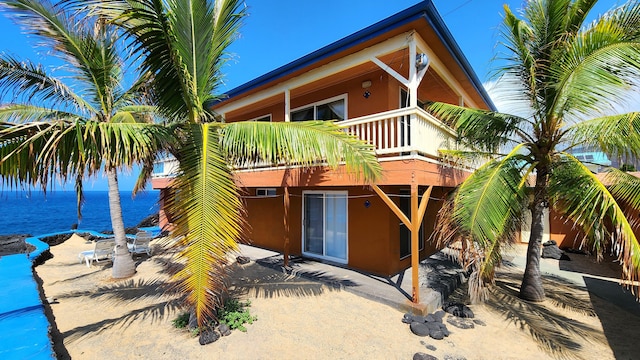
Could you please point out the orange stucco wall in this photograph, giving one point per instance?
(563, 231)
(373, 231)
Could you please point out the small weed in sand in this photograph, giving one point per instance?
(235, 315)
(181, 321)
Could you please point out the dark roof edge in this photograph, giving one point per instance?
(399, 19)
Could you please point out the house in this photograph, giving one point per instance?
(375, 83)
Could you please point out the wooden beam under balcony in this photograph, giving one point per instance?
(418, 210)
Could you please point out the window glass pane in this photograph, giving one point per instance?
(158, 168)
(264, 118)
(314, 223)
(331, 111)
(302, 114)
(336, 226)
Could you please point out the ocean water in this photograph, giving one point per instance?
(34, 213)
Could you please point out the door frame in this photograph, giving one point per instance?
(303, 236)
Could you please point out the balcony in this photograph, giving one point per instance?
(400, 132)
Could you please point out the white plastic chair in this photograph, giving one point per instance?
(140, 244)
(102, 250)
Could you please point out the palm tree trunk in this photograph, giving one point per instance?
(531, 288)
(123, 265)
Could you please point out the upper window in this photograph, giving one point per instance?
(329, 109)
(265, 118)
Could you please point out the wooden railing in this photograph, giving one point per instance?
(408, 130)
(395, 132)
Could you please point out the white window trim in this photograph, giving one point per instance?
(326, 101)
(266, 192)
(324, 257)
(260, 117)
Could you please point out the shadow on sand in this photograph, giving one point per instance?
(616, 307)
(554, 332)
(267, 278)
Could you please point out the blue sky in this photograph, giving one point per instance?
(278, 32)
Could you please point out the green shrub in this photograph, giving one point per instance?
(181, 321)
(235, 315)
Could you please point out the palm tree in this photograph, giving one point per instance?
(52, 129)
(569, 73)
(183, 45)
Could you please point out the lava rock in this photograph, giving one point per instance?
(149, 221)
(439, 314)
(419, 328)
(431, 347)
(131, 230)
(208, 336)
(423, 356)
(54, 240)
(10, 245)
(479, 322)
(552, 251)
(460, 323)
(432, 318)
(224, 330)
(409, 318)
(458, 309)
(452, 357)
(436, 334)
(243, 260)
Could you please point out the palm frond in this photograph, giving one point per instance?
(578, 194)
(481, 129)
(207, 214)
(483, 214)
(29, 82)
(616, 135)
(20, 113)
(467, 158)
(184, 52)
(33, 152)
(595, 67)
(94, 62)
(624, 187)
(308, 143)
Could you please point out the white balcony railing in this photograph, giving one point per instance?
(394, 132)
(408, 130)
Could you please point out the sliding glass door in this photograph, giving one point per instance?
(324, 232)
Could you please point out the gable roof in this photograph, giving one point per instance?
(423, 10)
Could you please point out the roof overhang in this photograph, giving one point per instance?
(422, 17)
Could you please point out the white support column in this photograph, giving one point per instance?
(413, 74)
(287, 105)
(413, 94)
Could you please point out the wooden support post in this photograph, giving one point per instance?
(396, 210)
(415, 243)
(417, 214)
(286, 225)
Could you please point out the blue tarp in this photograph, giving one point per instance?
(24, 328)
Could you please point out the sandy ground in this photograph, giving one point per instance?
(99, 318)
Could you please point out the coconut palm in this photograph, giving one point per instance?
(570, 74)
(51, 128)
(183, 45)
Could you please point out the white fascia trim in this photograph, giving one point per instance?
(440, 69)
(388, 46)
